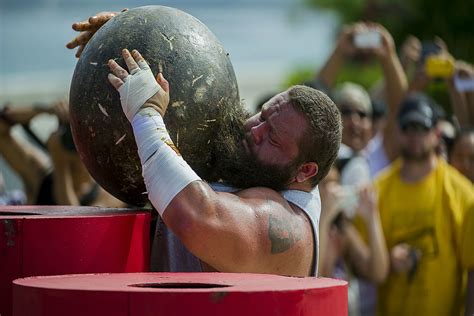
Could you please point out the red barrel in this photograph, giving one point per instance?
(50, 240)
(133, 294)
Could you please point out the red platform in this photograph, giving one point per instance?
(51, 240)
(143, 294)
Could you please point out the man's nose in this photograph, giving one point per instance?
(259, 132)
(355, 118)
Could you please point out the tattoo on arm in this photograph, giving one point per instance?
(283, 235)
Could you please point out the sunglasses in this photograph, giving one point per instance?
(347, 112)
(414, 127)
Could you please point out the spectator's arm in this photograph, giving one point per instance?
(23, 114)
(395, 90)
(370, 262)
(63, 187)
(344, 47)
(330, 236)
(462, 102)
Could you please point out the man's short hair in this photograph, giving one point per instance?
(321, 143)
(353, 94)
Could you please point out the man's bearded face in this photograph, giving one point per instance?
(242, 168)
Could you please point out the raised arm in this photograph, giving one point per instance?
(396, 86)
(344, 48)
(370, 262)
(462, 100)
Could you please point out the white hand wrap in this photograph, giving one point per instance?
(138, 87)
(164, 170)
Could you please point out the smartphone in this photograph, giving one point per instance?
(368, 39)
(439, 67)
(463, 84)
(428, 48)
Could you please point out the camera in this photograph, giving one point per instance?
(368, 39)
(428, 48)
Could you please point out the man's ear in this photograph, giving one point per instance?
(306, 171)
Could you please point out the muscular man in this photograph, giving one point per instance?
(289, 146)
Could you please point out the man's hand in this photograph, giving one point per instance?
(345, 45)
(367, 207)
(404, 258)
(135, 88)
(88, 28)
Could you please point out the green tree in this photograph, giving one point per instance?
(451, 20)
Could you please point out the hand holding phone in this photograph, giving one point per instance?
(349, 201)
(437, 66)
(464, 84)
(368, 39)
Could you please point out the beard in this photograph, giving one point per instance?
(409, 155)
(241, 169)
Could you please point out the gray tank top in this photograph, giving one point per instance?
(168, 254)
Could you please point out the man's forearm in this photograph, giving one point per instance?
(459, 106)
(396, 86)
(395, 81)
(164, 170)
(328, 73)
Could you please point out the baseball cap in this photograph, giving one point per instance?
(417, 109)
(353, 94)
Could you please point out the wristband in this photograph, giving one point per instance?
(136, 89)
(165, 172)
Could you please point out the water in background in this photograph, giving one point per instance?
(266, 39)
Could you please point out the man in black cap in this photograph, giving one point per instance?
(423, 203)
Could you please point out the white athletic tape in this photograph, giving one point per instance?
(136, 89)
(164, 170)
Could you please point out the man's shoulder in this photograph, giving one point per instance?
(455, 180)
(260, 193)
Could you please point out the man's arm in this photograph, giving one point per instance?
(344, 48)
(396, 86)
(460, 100)
(370, 261)
(249, 232)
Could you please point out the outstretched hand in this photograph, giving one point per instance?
(138, 89)
(88, 28)
(346, 46)
(367, 206)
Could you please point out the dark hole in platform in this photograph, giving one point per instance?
(180, 285)
(17, 214)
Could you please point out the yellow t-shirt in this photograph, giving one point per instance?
(467, 240)
(429, 216)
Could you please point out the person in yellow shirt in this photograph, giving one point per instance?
(423, 204)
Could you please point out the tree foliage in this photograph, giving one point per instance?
(451, 20)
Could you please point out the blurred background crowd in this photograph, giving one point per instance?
(397, 216)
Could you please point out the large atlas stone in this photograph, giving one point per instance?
(202, 84)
